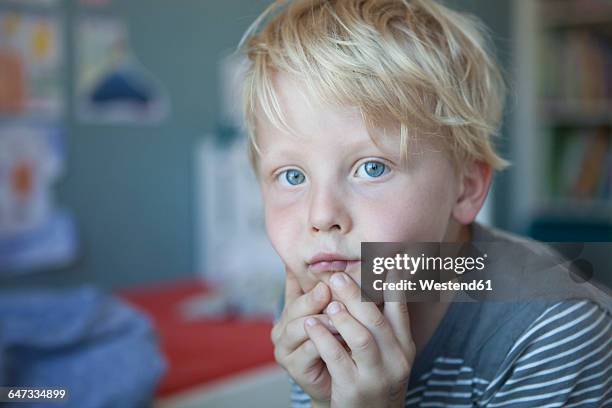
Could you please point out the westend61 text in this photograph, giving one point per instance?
(430, 284)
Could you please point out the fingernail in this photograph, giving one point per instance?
(338, 280)
(333, 308)
(319, 292)
(311, 321)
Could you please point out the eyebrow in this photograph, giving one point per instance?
(278, 154)
(283, 153)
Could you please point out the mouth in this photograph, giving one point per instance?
(330, 262)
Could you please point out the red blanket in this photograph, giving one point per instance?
(203, 350)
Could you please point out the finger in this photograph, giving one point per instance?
(306, 363)
(348, 292)
(293, 290)
(295, 334)
(310, 303)
(364, 350)
(397, 314)
(367, 313)
(339, 363)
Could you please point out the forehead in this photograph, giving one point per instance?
(311, 122)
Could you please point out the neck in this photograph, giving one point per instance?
(465, 233)
(426, 316)
(458, 232)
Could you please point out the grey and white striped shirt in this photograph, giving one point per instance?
(563, 359)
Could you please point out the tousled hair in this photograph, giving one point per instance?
(413, 65)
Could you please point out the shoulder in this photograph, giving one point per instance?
(512, 243)
(527, 271)
(564, 357)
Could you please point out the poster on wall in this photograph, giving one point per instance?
(31, 66)
(34, 234)
(113, 87)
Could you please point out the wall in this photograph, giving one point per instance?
(131, 188)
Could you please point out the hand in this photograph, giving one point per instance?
(376, 370)
(293, 350)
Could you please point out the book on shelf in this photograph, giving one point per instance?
(581, 164)
(576, 65)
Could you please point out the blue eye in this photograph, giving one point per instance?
(293, 177)
(371, 169)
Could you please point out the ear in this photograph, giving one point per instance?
(473, 188)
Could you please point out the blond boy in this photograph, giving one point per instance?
(372, 120)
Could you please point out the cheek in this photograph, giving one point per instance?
(282, 227)
(413, 212)
(403, 221)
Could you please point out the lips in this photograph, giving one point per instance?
(330, 262)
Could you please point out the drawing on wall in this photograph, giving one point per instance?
(31, 66)
(112, 85)
(33, 233)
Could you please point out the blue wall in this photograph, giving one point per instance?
(131, 188)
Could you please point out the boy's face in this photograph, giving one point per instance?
(331, 187)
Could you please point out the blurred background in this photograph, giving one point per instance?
(124, 183)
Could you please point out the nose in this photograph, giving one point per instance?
(328, 211)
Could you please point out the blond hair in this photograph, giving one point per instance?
(416, 64)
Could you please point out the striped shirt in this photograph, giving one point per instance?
(563, 359)
(538, 353)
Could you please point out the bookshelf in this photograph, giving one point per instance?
(562, 132)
